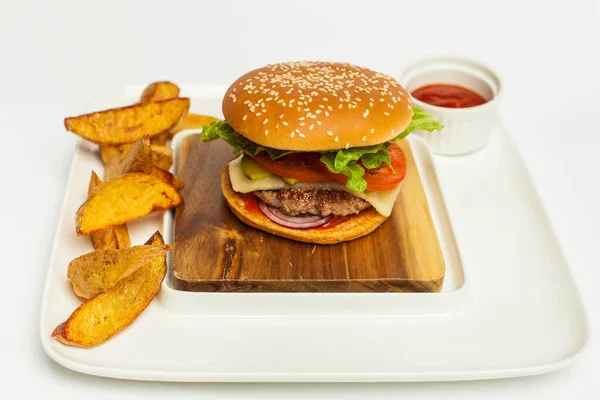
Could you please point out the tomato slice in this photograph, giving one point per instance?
(383, 178)
(307, 167)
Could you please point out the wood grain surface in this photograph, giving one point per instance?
(216, 252)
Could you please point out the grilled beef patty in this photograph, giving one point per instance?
(321, 202)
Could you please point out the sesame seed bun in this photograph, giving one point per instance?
(312, 106)
(359, 225)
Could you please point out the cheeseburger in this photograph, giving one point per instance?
(318, 160)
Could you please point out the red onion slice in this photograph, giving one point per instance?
(286, 221)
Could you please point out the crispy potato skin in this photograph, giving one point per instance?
(167, 177)
(123, 199)
(136, 158)
(99, 319)
(113, 237)
(159, 91)
(128, 124)
(96, 272)
(168, 90)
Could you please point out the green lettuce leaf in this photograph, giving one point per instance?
(345, 161)
(352, 170)
(221, 129)
(421, 120)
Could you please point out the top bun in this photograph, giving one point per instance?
(313, 106)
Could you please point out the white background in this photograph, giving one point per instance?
(54, 56)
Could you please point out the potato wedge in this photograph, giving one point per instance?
(192, 121)
(159, 91)
(167, 177)
(162, 156)
(161, 139)
(136, 158)
(128, 124)
(114, 237)
(108, 151)
(96, 272)
(99, 319)
(123, 199)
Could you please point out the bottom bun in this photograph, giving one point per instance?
(358, 225)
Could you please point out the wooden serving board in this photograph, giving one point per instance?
(216, 252)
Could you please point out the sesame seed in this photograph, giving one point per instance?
(318, 112)
(325, 99)
(340, 106)
(258, 114)
(408, 106)
(371, 104)
(372, 130)
(319, 122)
(310, 128)
(366, 113)
(301, 135)
(281, 116)
(329, 133)
(284, 123)
(336, 139)
(292, 135)
(266, 132)
(364, 138)
(387, 114)
(244, 117)
(347, 146)
(301, 118)
(265, 121)
(313, 116)
(307, 109)
(302, 123)
(327, 113)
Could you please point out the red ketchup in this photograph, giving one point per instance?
(448, 96)
(250, 202)
(334, 221)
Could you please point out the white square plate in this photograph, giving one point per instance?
(509, 306)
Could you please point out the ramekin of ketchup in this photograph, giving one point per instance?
(463, 94)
